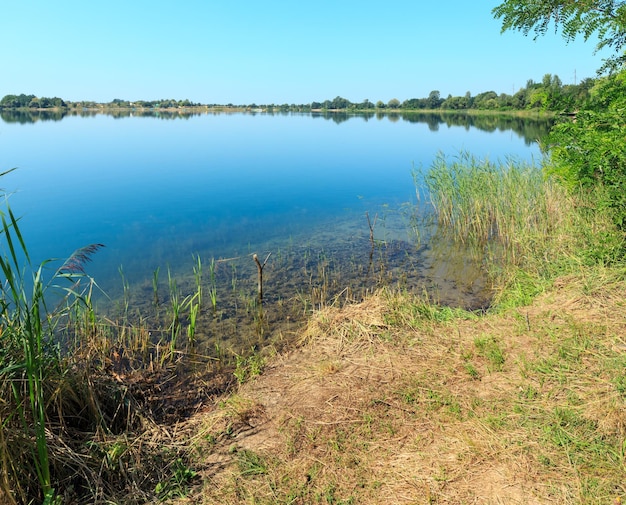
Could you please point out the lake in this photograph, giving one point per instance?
(161, 190)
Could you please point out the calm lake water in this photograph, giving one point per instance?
(159, 189)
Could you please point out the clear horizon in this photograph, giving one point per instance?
(280, 52)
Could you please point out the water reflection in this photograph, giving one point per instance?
(530, 129)
(24, 116)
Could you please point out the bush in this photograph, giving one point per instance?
(590, 149)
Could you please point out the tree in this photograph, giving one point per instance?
(486, 100)
(457, 102)
(14, 101)
(606, 18)
(414, 103)
(591, 151)
(339, 103)
(434, 100)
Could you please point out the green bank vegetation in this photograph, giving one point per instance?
(395, 399)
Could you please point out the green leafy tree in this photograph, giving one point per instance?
(457, 102)
(591, 151)
(14, 101)
(486, 100)
(605, 18)
(434, 100)
(340, 103)
(414, 103)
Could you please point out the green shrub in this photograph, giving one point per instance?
(590, 150)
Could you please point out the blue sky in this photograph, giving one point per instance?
(275, 51)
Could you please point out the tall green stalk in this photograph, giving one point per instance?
(213, 284)
(175, 305)
(193, 315)
(23, 322)
(197, 273)
(27, 326)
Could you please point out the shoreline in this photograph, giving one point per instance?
(105, 109)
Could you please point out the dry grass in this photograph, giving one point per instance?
(385, 402)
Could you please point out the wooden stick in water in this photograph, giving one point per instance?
(259, 267)
(371, 226)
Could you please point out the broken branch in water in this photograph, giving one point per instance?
(259, 267)
(371, 225)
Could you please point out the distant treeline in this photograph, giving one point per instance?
(548, 95)
(31, 102)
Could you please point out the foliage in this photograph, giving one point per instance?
(591, 150)
(16, 101)
(176, 485)
(606, 18)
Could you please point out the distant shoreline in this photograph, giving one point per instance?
(104, 108)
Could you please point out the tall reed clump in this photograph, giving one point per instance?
(28, 357)
(520, 221)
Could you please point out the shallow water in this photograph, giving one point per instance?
(297, 187)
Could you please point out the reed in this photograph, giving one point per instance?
(193, 315)
(481, 201)
(523, 225)
(29, 355)
(125, 295)
(213, 284)
(69, 398)
(176, 305)
(197, 275)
